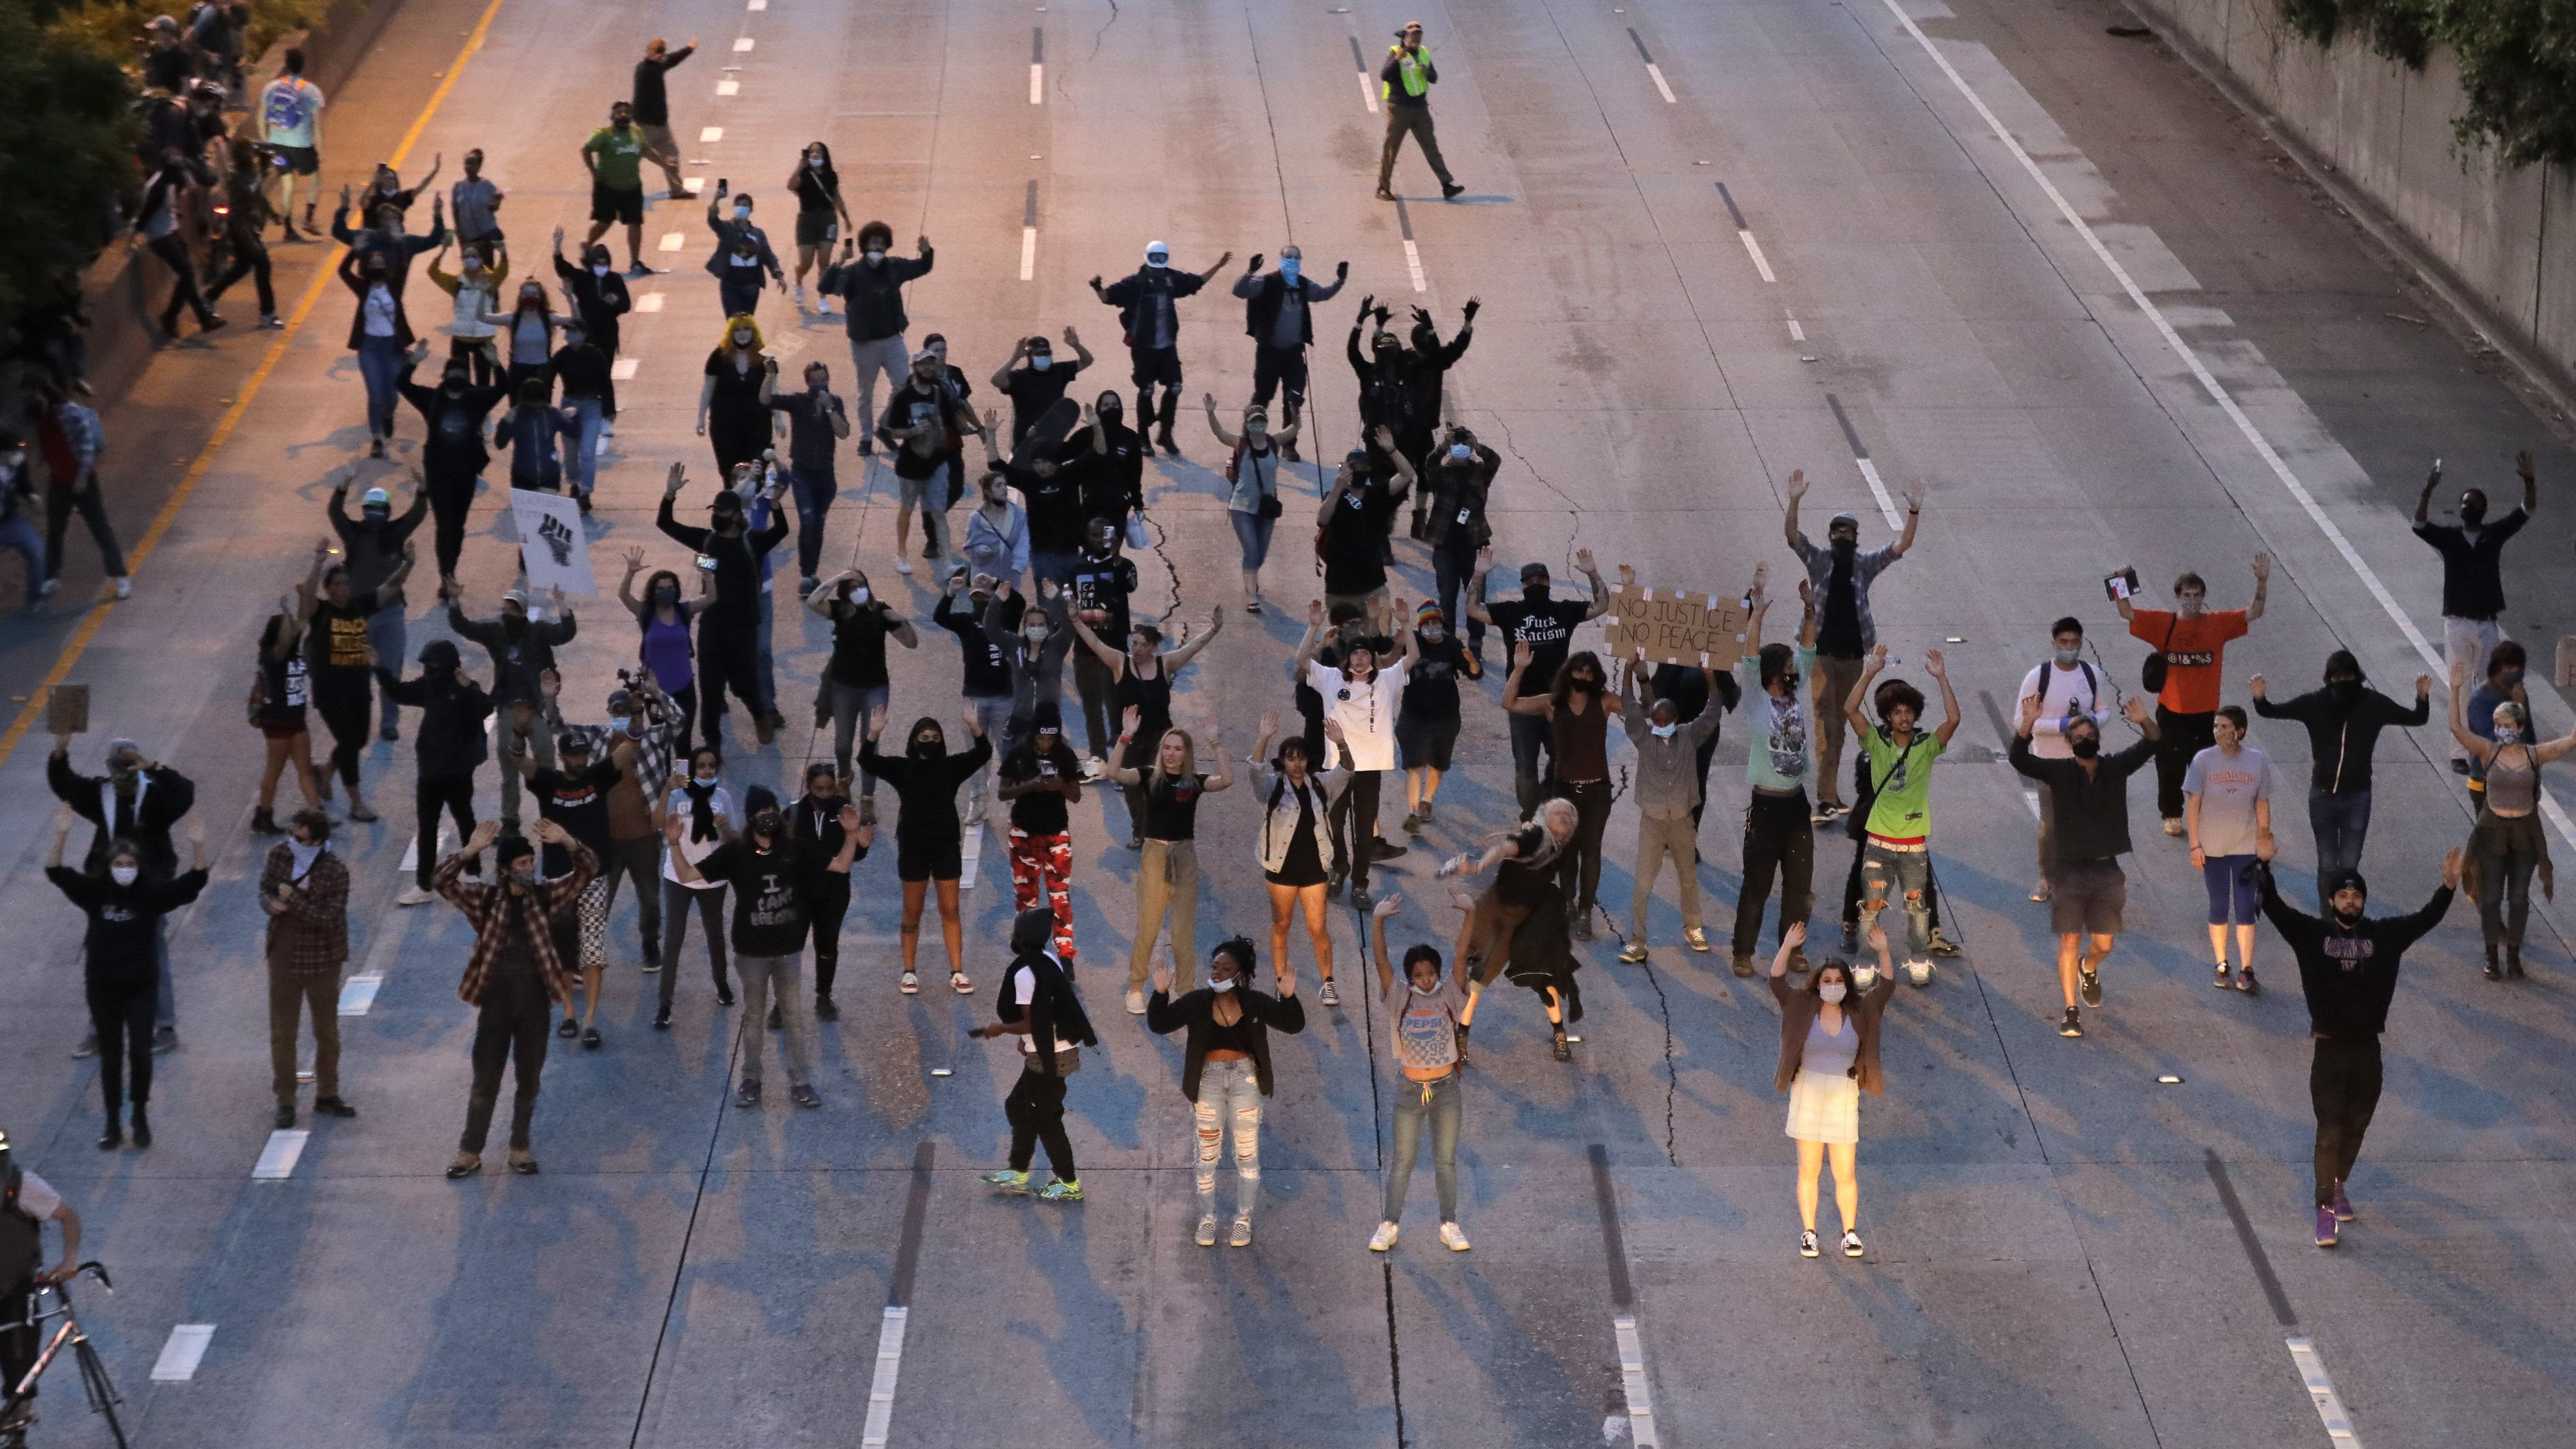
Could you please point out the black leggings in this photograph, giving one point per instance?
(512, 1027)
(1578, 869)
(726, 661)
(676, 900)
(122, 1016)
(2343, 1086)
(348, 708)
(829, 906)
(453, 794)
(1036, 1112)
(183, 288)
(1353, 820)
(251, 262)
(450, 502)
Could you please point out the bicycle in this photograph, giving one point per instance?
(16, 1415)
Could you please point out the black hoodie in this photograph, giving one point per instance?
(1054, 1010)
(449, 742)
(2348, 973)
(2342, 731)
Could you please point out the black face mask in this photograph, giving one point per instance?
(2087, 747)
(514, 625)
(765, 824)
(1111, 415)
(2506, 679)
(2343, 691)
(1535, 593)
(1845, 547)
(666, 595)
(2473, 512)
(927, 749)
(1583, 685)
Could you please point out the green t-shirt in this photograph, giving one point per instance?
(1902, 808)
(621, 157)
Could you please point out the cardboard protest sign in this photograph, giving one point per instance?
(552, 542)
(1675, 626)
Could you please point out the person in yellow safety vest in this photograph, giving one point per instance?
(1405, 84)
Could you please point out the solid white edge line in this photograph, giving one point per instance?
(881, 1389)
(1368, 97)
(2321, 1390)
(1878, 490)
(1413, 264)
(1028, 252)
(1632, 1379)
(2218, 393)
(181, 1352)
(1037, 83)
(1657, 72)
(1753, 249)
(277, 1156)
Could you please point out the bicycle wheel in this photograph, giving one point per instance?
(102, 1394)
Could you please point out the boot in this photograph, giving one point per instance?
(114, 1137)
(2494, 972)
(262, 822)
(1288, 424)
(1163, 433)
(1144, 413)
(2513, 960)
(142, 1127)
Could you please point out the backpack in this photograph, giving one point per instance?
(2092, 681)
(22, 1238)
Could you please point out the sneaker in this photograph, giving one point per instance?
(1825, 812)
(1798, 962)
(1241, 1237)
(362, 815)
(164, 1038)
(803, 1095)
(2071, 1024)
(332, 1107)
(124, 586)
(466, 1165)
(88, 1047)
(749, 1095)
(910, 985)
(1635, 952)
(1135, 1001)
(824, 1010)
(1807, 1245)
(1696, 939)
(958, 983)
(1383, 849)
(640, 270)
(1743, 965)
(2218, 977)
(1385, 195)
(1453, 1239)
(903, 566)
(1383, 1238)
(1006, 1181)
(800, 294)
(2173, 825)
(1563, 1050)
(2090, 988)
(1361, 901)
(975, 812)
(2343, 1206)
(268, 322)
(1206, 1237)
(1919, 972)
(2039, 892)
(1061, 1191)
(1413, 823)
(1943, 945)
(1331, 995)
(414, 897)
(2460, 766)
(2246, 983)
(662, 1019)
(2328, 1230)
(1580, 927)
(724, 996)
(1851, 1244)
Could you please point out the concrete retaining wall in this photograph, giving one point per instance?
(2503, 239)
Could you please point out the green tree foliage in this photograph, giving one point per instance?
(66, 152)
(2517, 62)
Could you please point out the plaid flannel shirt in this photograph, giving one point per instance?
(484, 905)
(311, 936)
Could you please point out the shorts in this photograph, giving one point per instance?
(1156, 365)
(2230, 894)
(302, 160)
(2085, 897)
(933, 860)
(284, 729)
(1296, 880)
(1424, 739)
(921, 493)
(609, 204)
(814, 228)
(658, 139)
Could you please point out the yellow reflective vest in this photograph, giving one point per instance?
(1410, 70)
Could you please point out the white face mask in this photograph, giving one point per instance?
(704, 780)
(123, 875)
(814, 161)
(1665, 732)
(1419, 989)
(1832, 992)
(2506, 734)
(875, 255)
(2070, 657)
(858, 596)
(1226, 985)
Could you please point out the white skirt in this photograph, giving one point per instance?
(1824, 1108)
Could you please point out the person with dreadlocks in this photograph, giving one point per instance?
(928, 836)
(1518, 923)
(1040, 1008)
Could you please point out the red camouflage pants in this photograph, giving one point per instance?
(1043, 865)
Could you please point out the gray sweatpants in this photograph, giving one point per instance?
(786, 975)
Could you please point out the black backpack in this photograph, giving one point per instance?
(22, 1238)
(2151, 675)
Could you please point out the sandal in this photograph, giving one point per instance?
(911, 984)
(963, 986)
(569, 1029)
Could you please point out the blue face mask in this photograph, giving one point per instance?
(1288, 268)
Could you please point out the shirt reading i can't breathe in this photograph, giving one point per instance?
(769, 909)
(2195, 651)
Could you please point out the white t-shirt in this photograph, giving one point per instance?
(36, 1197)
(288, 107)
(1024, 990)
(2062, 692)
(1366, 713)
(697, 850)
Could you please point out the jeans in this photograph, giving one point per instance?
(2340, 822)
(1055, 568)
(760, 974)
(2466, 643)
(887, 355)
(2183, 736)
(1229, 1090)
(1530, 734)
(19, 535)
(1035, 1110)
(381, 365)
(1452, 565)
(1167, 881)
(1908, 872)
(59, 506)
(541, 740)
(1098, 688)
(1777, 837)
(740, 299)
(1415, 1101)
(1252, 535)
(251, 263)
(390, 634)
(455, 795)
(1275, 368)
(851, 705)
(1578, 867)
(173, 253)
(1354, 825)
(638, 860)
(814, 489)
(1658, 836)
(583, 458)
(511, 1028)
(2343, 1087)
(677, 899)
(290, 995)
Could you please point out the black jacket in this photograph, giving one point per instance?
(599, 300)
(2341, 733)
(517, 659)
(1054, 1009)
(2348, 976)
(2092, 820)
(123, 945)
(873, 296)
(1264, 1013)
(583, 371)
(374, 550)
(736, 606)
(449, 741)
(454, 452)
(167, 796)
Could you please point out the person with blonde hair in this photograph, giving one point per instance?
(733, 402)
(1167, 873)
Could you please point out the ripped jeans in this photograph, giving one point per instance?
(1885, 869)
(1229, 1089)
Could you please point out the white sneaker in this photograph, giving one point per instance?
(1383, 1238)
(800, 294)
(1851, 1243)
(975, 811)
(415, 896)
(47, 588)
(1135, 1001)
(1452, 1239)
(124, 587)
(1919, 972)
(903, 566)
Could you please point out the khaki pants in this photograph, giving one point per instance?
(1834, 681)
(289, 993)
(1167, 879)
(664, 151)
(1677, 835)
(1416, 119)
